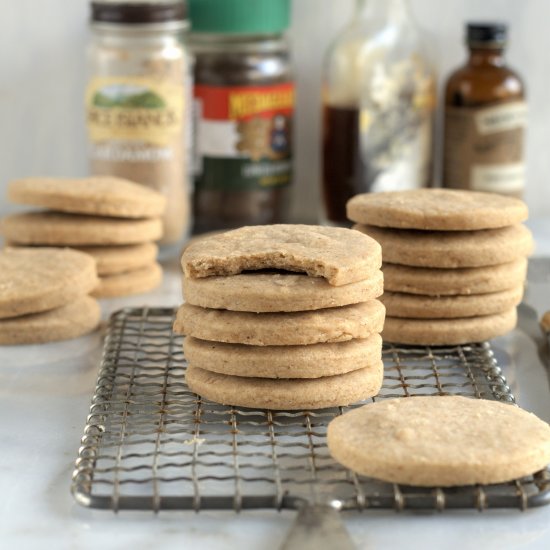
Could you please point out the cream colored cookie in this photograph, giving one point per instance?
(313, 361)
(277, 292)
(63, 323)
(99, 195)
(339, 255)
(264, 393)
(447, 282)
(38, 279)
(440, 441)
(112, 260)
(281, 329)
(138, 281)
(437, 332)
(436, 209)
(415, 306)
(56, 228)
(452, 249)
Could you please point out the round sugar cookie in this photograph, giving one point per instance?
(415, 306)
(112, 260)
(277, 292)
(63, 323)
(439, 332)
(264, 393)
(459, 281)
(281, 329)
(38, 279)
(440, 441)
(59, 229)
(137, 281)
(98, 195)
(452, 249)
(313, 361)
(337, 254)
(436, 209)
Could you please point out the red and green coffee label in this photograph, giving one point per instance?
(243, 136)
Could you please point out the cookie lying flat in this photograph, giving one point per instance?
(281, 329)
(112, 260)
(55, 228)
(416, 306)
(138, 281)
(452, 249)
(63, 323)
(339, 255)
(277, 292)
(440, 441)
(312, 361)
(263, 393)
(438, 332)
(436, 209)
(100, 196)
(447, 282)
(38, 279)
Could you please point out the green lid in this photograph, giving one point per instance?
(239, 16)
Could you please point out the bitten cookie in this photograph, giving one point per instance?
(63, 323)
(38, 279)
(436, 209)
(100, 196)
(281, 329)
(339, 255)
(440, 441)
(277, 292)
(138, 281)
(263, 393)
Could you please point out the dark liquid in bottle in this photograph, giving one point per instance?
(343, 170)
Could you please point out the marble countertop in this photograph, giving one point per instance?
(44, 399)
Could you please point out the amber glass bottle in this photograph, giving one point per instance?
(485, 118)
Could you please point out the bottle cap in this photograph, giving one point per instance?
(138, 12)
(487, 35)
(239, 16)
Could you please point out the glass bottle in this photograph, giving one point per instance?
(379, 100)
(485, 118)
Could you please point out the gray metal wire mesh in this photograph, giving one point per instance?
(150, 443)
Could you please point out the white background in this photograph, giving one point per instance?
(42, 78)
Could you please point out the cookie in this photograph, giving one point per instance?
(38, 279)
(112, 260)
(448, 282)
(437, 209)
(416, 306)
(440, 441)
(313, 361)
(277, 292)
(281, 329)
(56, 228)
(437, 332)
(99, 196)
(137, 281)
(339, 255)
(63, 323)
(264, 393)
(452, 249)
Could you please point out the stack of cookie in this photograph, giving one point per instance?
(454, 262)
(113, 220)
(283, 317)
(44, 295)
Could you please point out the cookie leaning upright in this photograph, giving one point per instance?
(283, 317)
(448, 254)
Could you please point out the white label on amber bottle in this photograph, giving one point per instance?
(503, 178)
(502, 118)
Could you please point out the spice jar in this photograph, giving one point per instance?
(137, 100)
(244, 100)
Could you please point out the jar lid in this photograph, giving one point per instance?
(487, 34)
(239, 16)
(138, 11)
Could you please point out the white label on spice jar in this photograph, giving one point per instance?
(502, 178)
(502, 118)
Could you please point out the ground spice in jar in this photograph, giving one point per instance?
(244, 101)
(137, 101)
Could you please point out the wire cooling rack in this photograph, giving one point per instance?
(150, 443)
